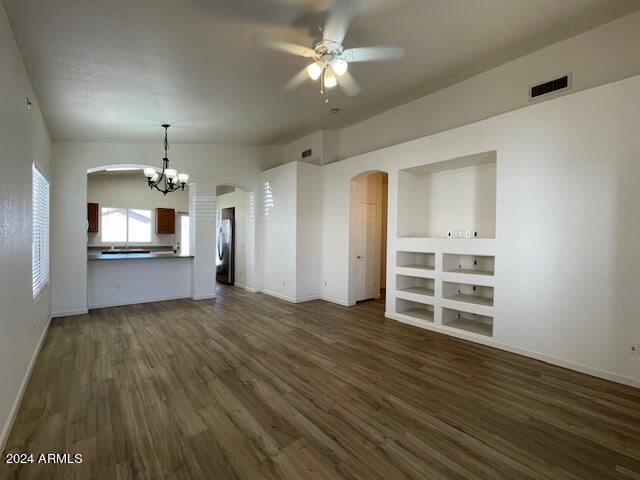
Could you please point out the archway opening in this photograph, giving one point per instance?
(123, 213)
(368, 236)
(235, 236)
(128, 221)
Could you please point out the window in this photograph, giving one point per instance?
(125, 225)
(184, 234)
(40, 234)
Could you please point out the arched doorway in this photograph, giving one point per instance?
(126, 213)
(235, 236)
(368, 236)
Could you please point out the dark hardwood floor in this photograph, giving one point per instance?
(250, 387)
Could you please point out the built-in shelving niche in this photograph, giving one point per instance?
(462, 292)
(416, 285)
(453, 195)
(470, 264)
(469, 322)
(417, 260)
(419, 311)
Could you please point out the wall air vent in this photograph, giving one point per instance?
(556, 85)
(306, 153)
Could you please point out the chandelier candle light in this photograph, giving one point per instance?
(172, 179)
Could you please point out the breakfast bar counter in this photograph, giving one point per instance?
(127, 278)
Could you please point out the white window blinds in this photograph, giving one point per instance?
(40, 240)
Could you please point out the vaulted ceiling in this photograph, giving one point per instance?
(115, 70)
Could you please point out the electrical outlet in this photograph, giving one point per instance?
(634, 349)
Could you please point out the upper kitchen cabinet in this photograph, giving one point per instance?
(92, 217)
(165, 221)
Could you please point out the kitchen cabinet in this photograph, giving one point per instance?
(93, 217)
(165, 221)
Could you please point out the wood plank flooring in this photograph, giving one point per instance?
(250, 387)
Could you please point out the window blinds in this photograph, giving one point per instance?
(40, 239)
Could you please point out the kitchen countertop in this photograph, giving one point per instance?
(134, 256)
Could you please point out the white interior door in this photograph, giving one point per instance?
(367, 251)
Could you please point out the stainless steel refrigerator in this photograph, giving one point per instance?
(225, 261)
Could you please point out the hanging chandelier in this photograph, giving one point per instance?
(169, 180)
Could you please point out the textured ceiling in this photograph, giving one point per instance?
(115, 70)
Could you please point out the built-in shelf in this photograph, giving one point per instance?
(415, 285)
(469, 322)
(475, 299)
(419, 311)
(469, 264)
(441, 282)
(462, 292)
(416, 260)
(418, 291)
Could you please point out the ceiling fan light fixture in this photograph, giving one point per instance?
(314, 70)
(330, 79)
(339, 66)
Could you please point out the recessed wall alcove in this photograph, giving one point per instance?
(456, 195)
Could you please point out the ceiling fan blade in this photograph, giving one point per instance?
(297, 80)
(338, 20)
(349, 84)
(286, 47)
(372, 54)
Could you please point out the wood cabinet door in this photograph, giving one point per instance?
(165, 221)
(92, 217)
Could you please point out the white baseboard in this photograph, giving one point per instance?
(13, 413)
(206, 296)
(335, 300)
(246, 287)
(291, 299)
(559, 362)
(137, 301)
(69, 313)
(309, 298)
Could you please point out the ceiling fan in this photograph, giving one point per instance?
(330, 60)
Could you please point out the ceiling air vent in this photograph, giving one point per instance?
(556, 85)
(306, 153)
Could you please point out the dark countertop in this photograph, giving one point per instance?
(134, 256)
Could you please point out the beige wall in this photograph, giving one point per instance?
(129, 190)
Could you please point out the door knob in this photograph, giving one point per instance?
(360, 257)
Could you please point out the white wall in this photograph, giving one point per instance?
(291, 248)
(323, 145)
(567, 262)
(209, 165)
(128, 190)
(240, 201)
(279, 246)
(596, 57)
(125, 282)
(308, 232)
(24, 140)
